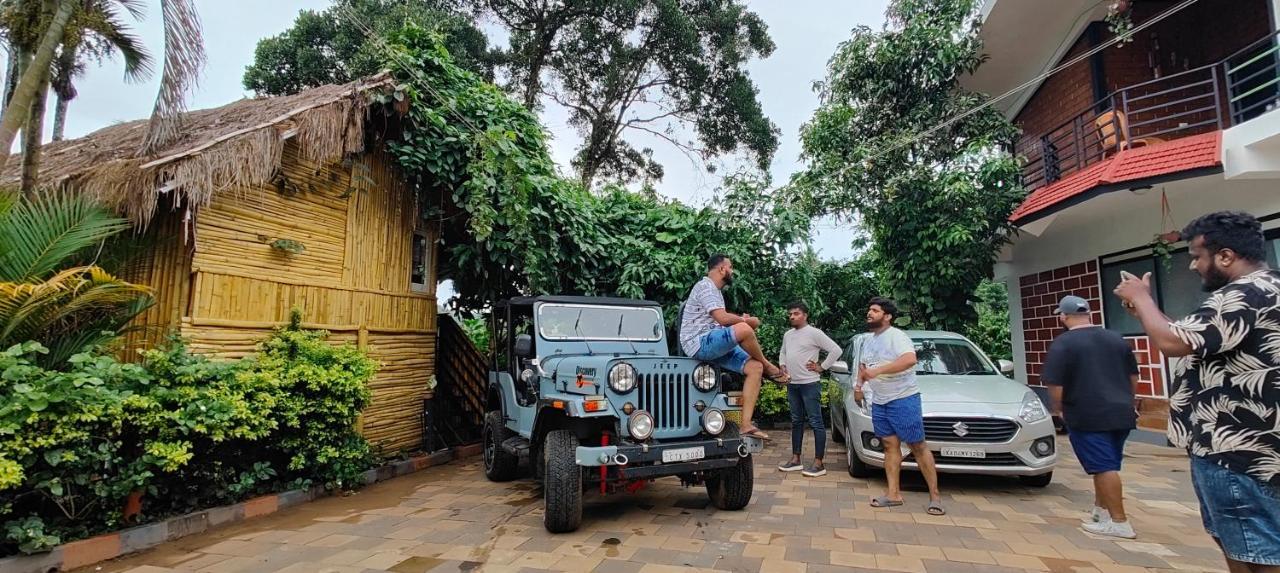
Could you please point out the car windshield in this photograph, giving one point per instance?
(596, 322)
(949, 356)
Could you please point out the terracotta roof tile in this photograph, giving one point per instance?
(1185, 154)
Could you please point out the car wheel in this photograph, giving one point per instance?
(837, 433)
(1042, 480)
(499, 465)
(857, 468)
(562, 485)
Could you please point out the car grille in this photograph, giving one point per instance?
(997, 459)
(943, 429)
(666, 397)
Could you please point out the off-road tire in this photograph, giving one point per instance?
(857, 468)
(499, 465)
(730, 488)
(562, 485)
(1042, 480)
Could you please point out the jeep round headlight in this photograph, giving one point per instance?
(640, 425)
(704, 377)
(622, 377)
(713, 421)
(1032, 409)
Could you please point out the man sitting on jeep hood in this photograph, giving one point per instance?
(710, 333)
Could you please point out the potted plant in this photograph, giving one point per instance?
(1120, 20)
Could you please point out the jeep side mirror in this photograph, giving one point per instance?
(1006, 368)
(524, 346)
(840, 367)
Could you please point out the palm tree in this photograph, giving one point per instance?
(183, 58)
(95, 33)
(51, 290)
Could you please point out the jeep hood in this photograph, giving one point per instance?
(970, 390)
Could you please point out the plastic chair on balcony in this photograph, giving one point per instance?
(1112, 125)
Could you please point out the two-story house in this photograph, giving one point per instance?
(1126, 145)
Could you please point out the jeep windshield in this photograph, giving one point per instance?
(598, 322)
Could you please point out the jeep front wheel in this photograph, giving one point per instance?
(730, 488)
(499, 465)
(562, 484)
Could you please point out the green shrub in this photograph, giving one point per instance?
(773, 406)
(186, 431)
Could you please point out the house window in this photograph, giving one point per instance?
(420, 276)
(1176, 287)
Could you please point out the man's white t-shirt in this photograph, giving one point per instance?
(884, 348)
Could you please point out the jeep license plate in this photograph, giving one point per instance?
(683, 454)
(963, 453)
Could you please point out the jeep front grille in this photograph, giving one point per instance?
(666, 397)
(968, 429)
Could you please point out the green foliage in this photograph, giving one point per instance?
(327, 47)
(187, 431)
(774, 406)
(288, 246)
(51, 290)
(991, 331)
(477, 329)
(936, 208)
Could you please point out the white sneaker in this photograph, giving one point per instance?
(1096, 515)
(1110, 528)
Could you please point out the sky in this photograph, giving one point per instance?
(806, 33)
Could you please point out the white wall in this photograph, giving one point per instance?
(1115, 222)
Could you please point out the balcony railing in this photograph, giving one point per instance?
(1234, 90)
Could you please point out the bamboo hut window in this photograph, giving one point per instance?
(420, 279)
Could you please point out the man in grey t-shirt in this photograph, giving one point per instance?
(708, 332)
(888, 362)
(801, 347)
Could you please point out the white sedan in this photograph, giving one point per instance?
(976, 420)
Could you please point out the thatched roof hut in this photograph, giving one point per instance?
(238, 145)
(267, 204)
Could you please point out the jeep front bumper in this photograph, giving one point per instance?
(645, 460)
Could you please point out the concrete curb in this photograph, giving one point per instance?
(115, 544)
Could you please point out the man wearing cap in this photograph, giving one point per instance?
(1092, 378)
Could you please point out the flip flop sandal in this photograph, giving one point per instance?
(935, 508)
(884, 501)
(755, 432)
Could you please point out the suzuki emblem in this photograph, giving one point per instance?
(961, 429)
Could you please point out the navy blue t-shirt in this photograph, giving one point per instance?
(1093, 366)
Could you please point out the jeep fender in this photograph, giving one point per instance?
(588, 429)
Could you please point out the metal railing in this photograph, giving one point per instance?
(1229, 92)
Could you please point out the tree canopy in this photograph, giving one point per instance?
(937, 205)
(331, 46)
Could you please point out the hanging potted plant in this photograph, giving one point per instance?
(1120, 20)
(1162, 244)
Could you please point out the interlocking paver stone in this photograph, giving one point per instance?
(450, 518)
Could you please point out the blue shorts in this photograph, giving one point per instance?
(1098, 452)
(720, 347)
(903, 418)
(1242, 513)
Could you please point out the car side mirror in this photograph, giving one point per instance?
(524, 346)
(840, 367)
(1006, 367)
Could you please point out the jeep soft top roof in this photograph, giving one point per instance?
(603, 300)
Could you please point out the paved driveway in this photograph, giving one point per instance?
(451, 519)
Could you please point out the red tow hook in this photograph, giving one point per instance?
(604, 469)
(634, 486)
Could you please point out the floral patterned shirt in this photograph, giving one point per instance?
(1226, 398)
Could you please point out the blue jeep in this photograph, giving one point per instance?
(585, 390)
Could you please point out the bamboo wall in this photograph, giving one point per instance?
(355, 220)
(162, 262)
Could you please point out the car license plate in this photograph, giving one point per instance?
(963, 453)
(683, 454)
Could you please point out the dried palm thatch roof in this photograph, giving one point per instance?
(237, 145)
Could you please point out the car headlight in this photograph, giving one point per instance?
(713, 421)
(622, 377)
(1032, 409)
(640, 425)
(704, 377)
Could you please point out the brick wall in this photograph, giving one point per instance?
(1040, 295)
(1058, 99)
